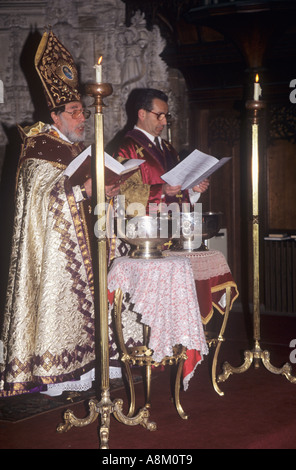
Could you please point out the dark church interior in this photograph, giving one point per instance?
(219, 47)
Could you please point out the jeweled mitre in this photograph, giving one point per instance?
(57, 71)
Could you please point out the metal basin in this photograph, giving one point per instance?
(191, 231)
(196, 228)
(211, 224)
(146, 235)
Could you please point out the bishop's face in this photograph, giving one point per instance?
(148, 120)
(72, 127)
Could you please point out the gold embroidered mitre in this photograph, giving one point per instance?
(57, 71)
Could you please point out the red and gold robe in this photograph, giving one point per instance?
(145, 186)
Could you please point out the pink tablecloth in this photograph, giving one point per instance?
(163, 293)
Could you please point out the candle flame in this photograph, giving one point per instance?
(257, 78)
(100, 60)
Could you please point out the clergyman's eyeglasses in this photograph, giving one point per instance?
(160, 116)
(77, 113)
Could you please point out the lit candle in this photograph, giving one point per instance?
(98, 68)
(257, 88)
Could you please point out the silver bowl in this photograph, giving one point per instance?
(196, 228)
(211, 224)
(146, 235)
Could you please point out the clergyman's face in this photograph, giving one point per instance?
(149, 122)
(73, 129)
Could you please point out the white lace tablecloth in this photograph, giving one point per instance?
(212, 275)
(163, 293)
(205, 264)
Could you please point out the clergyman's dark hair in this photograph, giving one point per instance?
(145, 96)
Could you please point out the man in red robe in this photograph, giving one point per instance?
(144, 142)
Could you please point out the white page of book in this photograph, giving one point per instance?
(193, 170)
(75, 164)
(110, 163)
(121, 168)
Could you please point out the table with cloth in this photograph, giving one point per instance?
(216, 289)
(161, 294)
(174, 296)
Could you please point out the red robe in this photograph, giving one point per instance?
(137, 145)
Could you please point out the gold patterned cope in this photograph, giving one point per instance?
(134, 190)
(57, 71)
(48, 332)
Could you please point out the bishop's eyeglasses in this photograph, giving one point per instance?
(77, 113)
(160, 116)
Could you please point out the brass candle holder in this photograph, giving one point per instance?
(105, 407)
(256, 354)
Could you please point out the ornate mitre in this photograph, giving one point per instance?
(57, 71)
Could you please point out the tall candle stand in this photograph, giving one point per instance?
(256, 354)
(105, 407)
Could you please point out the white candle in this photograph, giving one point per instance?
(98, 68)
(257, 89)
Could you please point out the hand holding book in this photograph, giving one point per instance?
(194, 169)
(79, 170)
(116, 172)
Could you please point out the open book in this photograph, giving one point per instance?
(193, 170)
(117, 172)
(114, 169)
(77, 162)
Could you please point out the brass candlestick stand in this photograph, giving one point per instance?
(105, 407)
(257, 353)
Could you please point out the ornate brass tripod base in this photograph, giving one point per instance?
(256, 355)
(105, 408)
